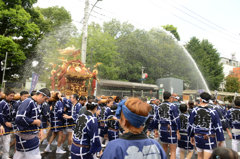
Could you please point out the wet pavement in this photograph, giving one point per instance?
(53, 154)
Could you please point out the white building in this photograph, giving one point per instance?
(228, 65)
(39, 85)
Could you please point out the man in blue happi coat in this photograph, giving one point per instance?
(29, 124)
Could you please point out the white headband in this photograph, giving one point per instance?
(93, 103)
(42, 93)
(176, 97)
(203, 100)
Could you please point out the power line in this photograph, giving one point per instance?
(190, 22)
(199, 20)
(203, 17)
(118, 16)
(171, 13)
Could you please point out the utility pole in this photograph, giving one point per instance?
(142, 77)
(4, 71)
(85, 29)
(84, 36)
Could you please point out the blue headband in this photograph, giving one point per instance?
(134, 119)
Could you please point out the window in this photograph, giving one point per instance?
(226, 62)
(233, 64)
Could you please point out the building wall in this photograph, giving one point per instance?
(227, 69)
(228, 65)
(171, 84)
(236, 72)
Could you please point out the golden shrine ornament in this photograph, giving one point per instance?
(78, 69)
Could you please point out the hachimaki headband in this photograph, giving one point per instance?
(134, 119)
(93, 103)
(42, 93)
(175, 97)
(204, 101)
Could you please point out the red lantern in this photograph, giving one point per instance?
(144, 76)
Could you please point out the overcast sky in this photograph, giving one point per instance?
(222, 28)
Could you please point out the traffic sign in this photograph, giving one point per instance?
(142, 79)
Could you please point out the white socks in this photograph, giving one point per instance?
(47, 149)
(48, 146)
(69, 147)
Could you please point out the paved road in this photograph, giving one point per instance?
(53, 155)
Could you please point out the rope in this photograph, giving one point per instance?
(13, 132)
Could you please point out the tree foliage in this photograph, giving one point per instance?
(18, 33)
(22, 28)
(158, 52)
(120, 47)
(208, 61)
(122, 50)
(232, 84)
(173, 30)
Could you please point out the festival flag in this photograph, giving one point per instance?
(216, 94)
(200, 91)
(34, 82)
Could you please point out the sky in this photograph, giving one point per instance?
(215, 20)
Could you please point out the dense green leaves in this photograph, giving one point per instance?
(207, 59)
(55, 16)
(173, 30)
(36, 34)
(232, 84)
(18, 34)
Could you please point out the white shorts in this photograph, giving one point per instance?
(67, 130)
(182, 149)
(202, 150)
(28, 155)
(44, 131)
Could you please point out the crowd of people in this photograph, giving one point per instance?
(119, 128)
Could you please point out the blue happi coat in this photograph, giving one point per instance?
(113, 127)
(152, 117)
(85, 133)
(184, 142)
(57, 117)
(133, 146)
(205, 121)
(104, 113)
(71, 110)
(26, 114)
(6, 115)
(233, 118)
(168, 115)
(222, 115)
(45, 114)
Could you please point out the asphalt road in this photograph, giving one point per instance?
(53, 154)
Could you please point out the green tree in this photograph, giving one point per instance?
(208, 61)
(101, 44)
(153, 49)
(18, 34)
(116, 29)
(173, 30)
(55, 16)
(104, 50)
(56, 28)
(232, 84)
